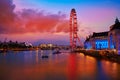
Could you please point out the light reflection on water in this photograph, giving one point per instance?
(29, 65)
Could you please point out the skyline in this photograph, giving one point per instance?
(39, 21)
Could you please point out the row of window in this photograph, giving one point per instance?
(101, 44)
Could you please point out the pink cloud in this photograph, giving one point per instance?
(29, 20)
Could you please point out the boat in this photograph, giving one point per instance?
(57, 52)
(45, 56)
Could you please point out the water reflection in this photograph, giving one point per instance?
(112, 69)
(87, 68)
(64, 66)
(101, 75)
(72, 67)
(37, 56)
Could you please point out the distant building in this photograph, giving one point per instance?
(105, 40)
(43, 45)
(47, 46)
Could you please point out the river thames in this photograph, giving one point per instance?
(29, 65)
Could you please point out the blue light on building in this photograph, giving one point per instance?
(119, 44)
(88, 45)
(101, 44)
(111, 42)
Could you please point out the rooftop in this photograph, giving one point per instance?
(100, 34)
(116, 25)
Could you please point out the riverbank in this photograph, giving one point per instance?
(102, 54)
(17, 49)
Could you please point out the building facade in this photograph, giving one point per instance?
(97, 41)
(105, 40)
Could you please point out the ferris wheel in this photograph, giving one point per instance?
(73, 30)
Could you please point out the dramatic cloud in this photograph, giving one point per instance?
(6, 14)
(37, 21)
(29, 20)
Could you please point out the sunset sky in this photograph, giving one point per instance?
(47, 21)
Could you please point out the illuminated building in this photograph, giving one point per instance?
(97, 41)
(47, 46)
(105, 40)
(43, 45)
(28, 44)
(114, 36)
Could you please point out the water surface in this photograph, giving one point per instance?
(29, 65)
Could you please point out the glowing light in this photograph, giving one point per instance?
(101, 44)
(111, 42)
(88, 45)
(118, 45)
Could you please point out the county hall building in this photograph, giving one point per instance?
(109, 40)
